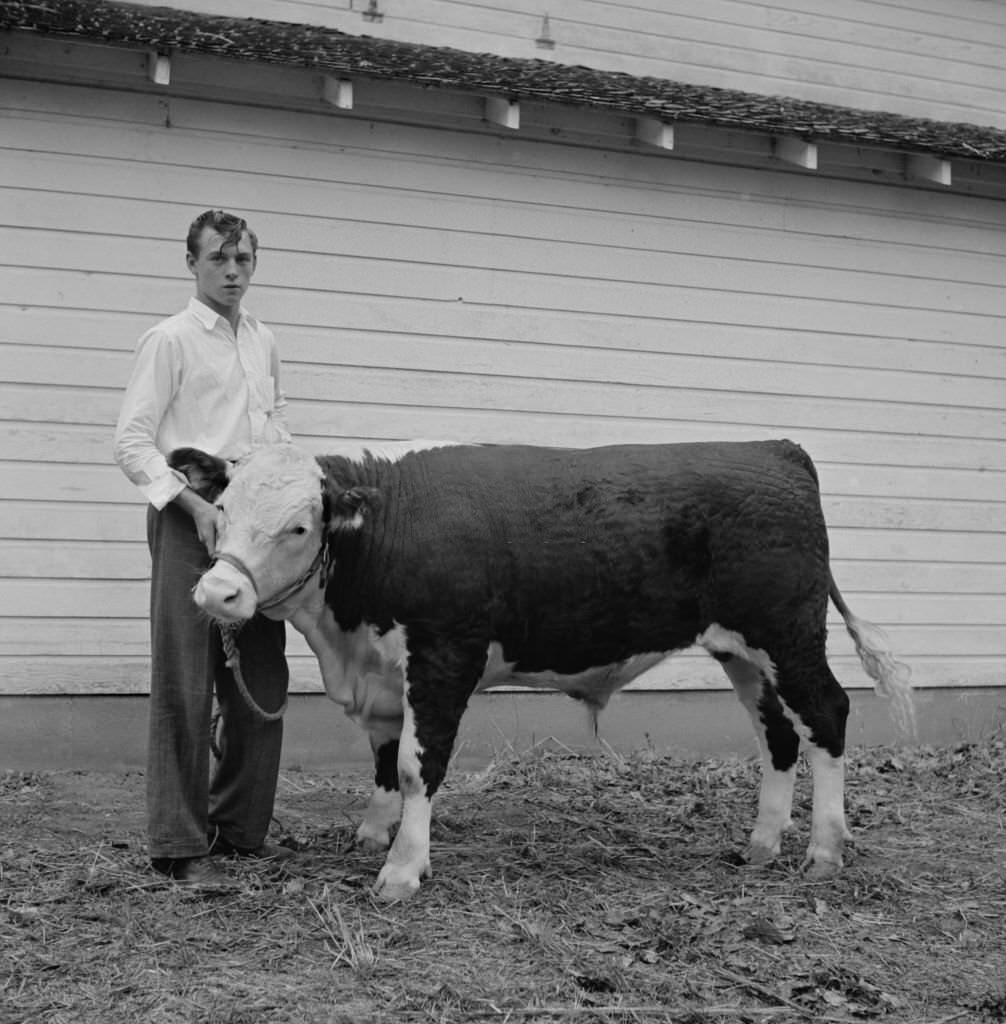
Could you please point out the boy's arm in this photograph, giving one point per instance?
(149, 392)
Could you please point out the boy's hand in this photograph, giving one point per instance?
(204, 515)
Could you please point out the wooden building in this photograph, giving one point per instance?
(725, 221)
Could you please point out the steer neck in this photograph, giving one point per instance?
(306, 618)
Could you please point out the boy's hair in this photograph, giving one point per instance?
(229, 225)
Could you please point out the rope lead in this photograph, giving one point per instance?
(228, 634)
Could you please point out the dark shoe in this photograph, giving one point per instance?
(196, 872)
(267, 851)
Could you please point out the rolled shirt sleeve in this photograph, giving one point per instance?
(149, 393)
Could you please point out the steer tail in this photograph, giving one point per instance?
(892, 677)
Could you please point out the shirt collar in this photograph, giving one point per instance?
(209, 317)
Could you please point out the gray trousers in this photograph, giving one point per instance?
(184, 804)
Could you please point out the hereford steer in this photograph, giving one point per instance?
(419, 576)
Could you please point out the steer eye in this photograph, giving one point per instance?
(299, 530)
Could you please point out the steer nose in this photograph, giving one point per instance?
(224, 597)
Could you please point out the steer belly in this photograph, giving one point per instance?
(594, 685)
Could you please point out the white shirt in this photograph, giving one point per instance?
(196, 384)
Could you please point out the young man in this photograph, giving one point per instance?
(207, 377)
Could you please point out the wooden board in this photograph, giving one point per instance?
(49, 676)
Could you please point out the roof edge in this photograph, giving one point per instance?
(329, 50)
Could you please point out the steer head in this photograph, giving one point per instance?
(276, 515)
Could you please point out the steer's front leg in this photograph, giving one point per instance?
(440, 676)
(409, 857)
(385, 807)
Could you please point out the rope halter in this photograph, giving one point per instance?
(285, 593)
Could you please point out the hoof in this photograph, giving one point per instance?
(397, 883)
(373, 840)
(820, 870)
(824, 853)
(760, 856)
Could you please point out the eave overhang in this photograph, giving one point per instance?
(164, 30)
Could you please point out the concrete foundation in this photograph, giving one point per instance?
(110, 733)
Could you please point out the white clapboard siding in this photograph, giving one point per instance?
(122, 674)
(39, 444)
(933, 394)
(434, 283)
(434, 343)
(661, 204)
(924, 58)
(36, 409)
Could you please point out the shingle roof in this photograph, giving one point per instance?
(332, 51)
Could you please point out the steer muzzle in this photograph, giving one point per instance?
(226, 594)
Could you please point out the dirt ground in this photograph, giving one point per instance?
(565, 889)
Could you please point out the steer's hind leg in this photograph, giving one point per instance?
(779, 746)
(828, 830)
(819, 708)
(385, 807)
(436, 692)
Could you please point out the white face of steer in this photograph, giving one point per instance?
(270, 525)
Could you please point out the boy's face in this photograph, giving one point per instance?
(223, 270)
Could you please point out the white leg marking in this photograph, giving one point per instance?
(828, 830)
(383, 812)
(775, 799)
(409, 857)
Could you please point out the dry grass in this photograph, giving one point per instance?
(599, 889)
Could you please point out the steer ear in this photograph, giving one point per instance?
(347, 510)
(207, 475)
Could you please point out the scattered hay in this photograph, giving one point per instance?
(596, 889)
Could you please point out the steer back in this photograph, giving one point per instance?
(571, 559)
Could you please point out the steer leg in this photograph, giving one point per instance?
(828, 829)
(779, 746)
(409, 857)
(818, 708)
(385, 807)
(436, 692)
